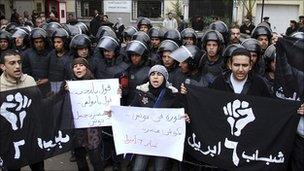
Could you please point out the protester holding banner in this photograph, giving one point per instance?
(87, 139)
(109, 64)
(157, 93)
(13, 78)
(288, 84)
(239, 79)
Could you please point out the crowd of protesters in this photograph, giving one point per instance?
(146, 60)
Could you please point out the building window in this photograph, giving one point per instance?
(84, 9)
(147, 8)
(39, 7)
(87, 7)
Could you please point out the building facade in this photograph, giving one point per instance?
(156, 10)
(280, 12)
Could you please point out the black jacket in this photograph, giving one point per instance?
(254, 85)
(144, 98)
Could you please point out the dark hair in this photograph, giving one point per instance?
(9, 52)
(240, 51)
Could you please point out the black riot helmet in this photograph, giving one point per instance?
(298, 35)
(38, 33)
(190, 54)
(221, 27)
(144, 21)
(167, 45)
(142, 37)
(269, 54)
(229, 51)
(62, 33)
(189, 33)
(105, 31)
(108, 43)
(80, 41)
(136, 47)
(261, 30)
(23, 32)
(72, 29)
(173, 34)
(252, 45)
(11, 27)
(51, 27)
(156, 33)
(83, 27)
(139, 48)
(7, 36)
(128, 32)
(212, 35)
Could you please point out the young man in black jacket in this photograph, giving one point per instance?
(239, 78)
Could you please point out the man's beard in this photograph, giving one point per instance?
(60, 50)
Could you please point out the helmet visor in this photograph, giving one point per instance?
(181, 54)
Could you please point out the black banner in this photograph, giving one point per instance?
(293, 49)
(33, 128)
(288, 83)
(238, 132)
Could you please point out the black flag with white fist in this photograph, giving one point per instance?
(32, 128)
(238, 132)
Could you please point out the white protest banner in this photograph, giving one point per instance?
(90, 98)
(149, 131)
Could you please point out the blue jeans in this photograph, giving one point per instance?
(141, 162)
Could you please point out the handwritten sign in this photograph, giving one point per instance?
(149, 131)
(90, 99)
